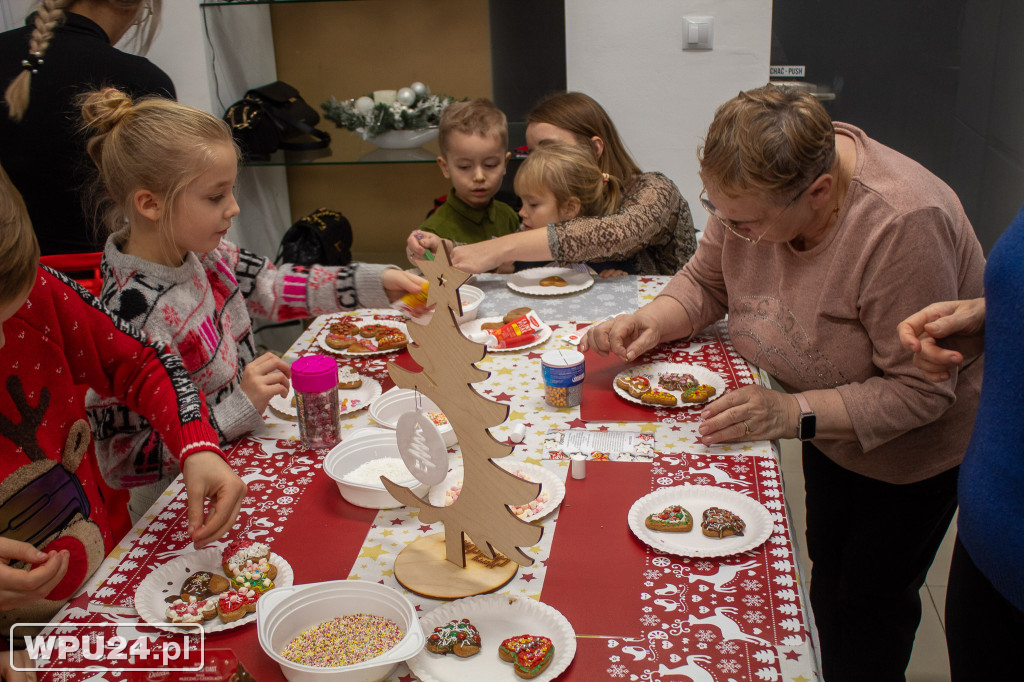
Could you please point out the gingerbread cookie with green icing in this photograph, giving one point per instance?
(673, 519)
(459, 637)
(253, 579)
(529, 654)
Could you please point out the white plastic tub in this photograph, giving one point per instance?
(471, 297)
(388, 408)
(285, 612)
(357, 449)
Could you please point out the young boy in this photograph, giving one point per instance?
(474, 139)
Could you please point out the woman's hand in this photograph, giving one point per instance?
(612, 272)
(479, 257)
(398, 283)
(749, 413)
(265, 377)
(208, 477)
(19, 587)
(627, 336)
(920, 332)
(418, 243)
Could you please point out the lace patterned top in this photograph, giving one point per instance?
(653, 228)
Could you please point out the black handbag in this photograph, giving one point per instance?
(272, 117)
(324, 237)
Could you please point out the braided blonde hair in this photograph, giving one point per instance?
(568, 171)
(48, 16)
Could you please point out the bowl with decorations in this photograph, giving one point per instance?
(357, 463)
(391, 119)
(340, 630)
(387, 409)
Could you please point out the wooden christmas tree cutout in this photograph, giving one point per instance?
(481, 512)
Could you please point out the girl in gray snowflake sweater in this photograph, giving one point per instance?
(166, 179)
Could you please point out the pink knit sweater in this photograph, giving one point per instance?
(826, 318)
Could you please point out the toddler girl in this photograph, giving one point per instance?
(165, 186)
(54, 338)
(558, 182)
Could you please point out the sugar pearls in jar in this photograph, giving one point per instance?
(315, 380)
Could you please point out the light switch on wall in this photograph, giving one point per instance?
(698, 33)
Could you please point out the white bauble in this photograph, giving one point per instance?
(364, 105)
(420, 89)
(407, 97)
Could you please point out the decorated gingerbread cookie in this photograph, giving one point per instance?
(698, 394)
(203, 584)
(235, 604)
(658, 397)
(673, 519)
(720, 523)
(343, 328)
(458, 637)
(253, 578)
(529, 654)
(191, 610)
(235, 555)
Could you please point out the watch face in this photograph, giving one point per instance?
(808, 425)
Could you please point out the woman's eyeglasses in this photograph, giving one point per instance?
(735, 225)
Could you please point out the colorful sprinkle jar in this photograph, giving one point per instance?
(315, 380)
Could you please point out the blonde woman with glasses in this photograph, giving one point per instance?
(820, 241)
(66, 48)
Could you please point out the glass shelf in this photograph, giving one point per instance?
(347, 148)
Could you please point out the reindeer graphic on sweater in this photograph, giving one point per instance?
(44, 504)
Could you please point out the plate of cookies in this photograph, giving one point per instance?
(355, 392)
(216, 586)
(550, 281)
(552, 490)
(509, 638)
(669, 384)
(700, 521)
(366, 335)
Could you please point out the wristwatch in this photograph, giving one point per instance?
(808, 422)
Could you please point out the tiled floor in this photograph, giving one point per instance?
(929, 662)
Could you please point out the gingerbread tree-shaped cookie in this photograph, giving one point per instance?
(447, 359)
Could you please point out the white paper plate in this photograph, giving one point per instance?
(166, 580)
(358, 399)
(361, 321)
(654, 369)
(550, 484)
(473, 326)
(497, 620)
(695, 499)
(528, 281)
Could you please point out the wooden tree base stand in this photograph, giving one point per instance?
(422, 568)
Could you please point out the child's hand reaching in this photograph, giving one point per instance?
(209, 477)
(398, 283)
(19, 587)
(265, 377)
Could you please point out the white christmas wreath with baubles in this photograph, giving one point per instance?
(411, 108)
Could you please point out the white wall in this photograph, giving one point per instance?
(628, 56)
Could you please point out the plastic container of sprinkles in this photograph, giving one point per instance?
(315, 380)
(284, 613)
(563, 372)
